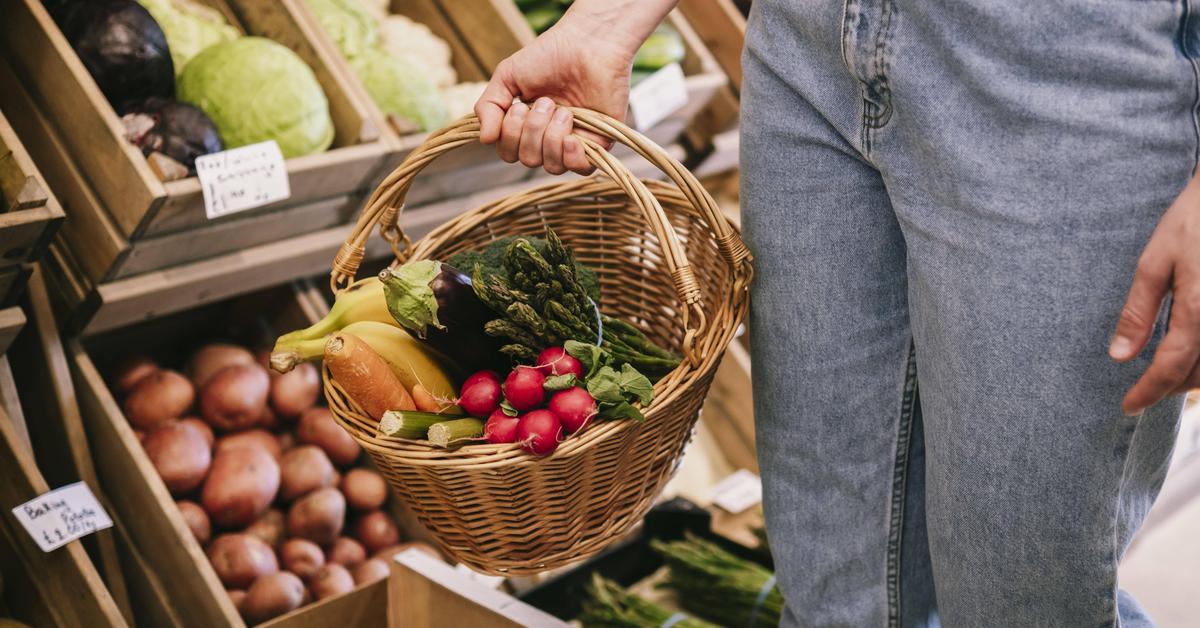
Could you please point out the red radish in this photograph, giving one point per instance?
(574, 407)
(523, 388)
(538, 432)
(481, 394)
(500, 428)
(556, 361)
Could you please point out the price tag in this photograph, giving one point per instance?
(491, 582)
(62, 515)
(242, 178)
(657, 96)
(738, 491)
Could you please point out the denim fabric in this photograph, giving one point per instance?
(946, 202)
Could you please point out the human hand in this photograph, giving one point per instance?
(577, 62)
(1171, 261)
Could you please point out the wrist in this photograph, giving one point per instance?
(619, 26)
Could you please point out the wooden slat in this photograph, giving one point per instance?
(12, 319)
(10, 403)
(29, 216)
(144, 504)
(229, 236)
(59, 441)
(723, 29)
(12, 283)
(64, 577)
(364, 607)
(493, 29)
(425, 592)
(96, 240)
(729, 409)
(62, 87)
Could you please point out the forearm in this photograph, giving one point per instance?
(625, 23)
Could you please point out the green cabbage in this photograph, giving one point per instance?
(662, 48)
(348, 24)
(189, 27)
(256, 90)
(399, 88)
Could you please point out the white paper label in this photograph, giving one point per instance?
(62, 515)
(657, 96)
(242, 178)
(491, 582)
(737, 492)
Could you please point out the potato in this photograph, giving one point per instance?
(237, 596)
(272, 595)
(250, 438)
(204, 428)
(364, 489)
(295, 391)
(317, 427)
(211, 358)
(330, 580)
(240, 487)
(268, 420)
(370, 571)
(180, 454)
(376, 530)
(158, 398)
(301, 557)
(130, 371)
(318, 516)
(240, 559)
(234, 398)
(287, 440)
(196, 520)
(388, 552)
(346, 551)
(303, 470)
(269, 528)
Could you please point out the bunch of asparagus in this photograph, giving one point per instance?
(718, 586)
(542, 303)
(613, 607)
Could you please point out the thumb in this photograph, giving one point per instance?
(1151, 281)
(497, 97)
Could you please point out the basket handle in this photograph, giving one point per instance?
(385, 204)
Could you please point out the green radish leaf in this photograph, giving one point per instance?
(620, 410)
(590, 356)
(634, 383)
(605, 386)
(555, 383)
(508, 409)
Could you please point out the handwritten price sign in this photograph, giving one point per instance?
(242, 178)
(62, 515)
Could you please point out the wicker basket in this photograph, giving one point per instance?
(668, 261)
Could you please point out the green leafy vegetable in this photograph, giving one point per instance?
(555, 383)
(634, 383)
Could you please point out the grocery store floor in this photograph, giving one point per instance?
(1162, 568)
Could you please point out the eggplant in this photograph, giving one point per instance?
(437, 304)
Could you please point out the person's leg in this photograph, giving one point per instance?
(838, 432)
(1030, 151)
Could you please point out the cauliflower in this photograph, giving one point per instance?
(404, 38)
(460, 99)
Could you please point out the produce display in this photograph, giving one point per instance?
(398, 343)
(610, 605)
(714, 584)
(265, 479)
(186, 83)
(405, 68)
(662, 48)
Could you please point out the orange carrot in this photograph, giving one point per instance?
(365, 376)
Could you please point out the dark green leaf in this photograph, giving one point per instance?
(591, 356)
(633, 383)
(605, 387)
(620, 410)
(555, 383)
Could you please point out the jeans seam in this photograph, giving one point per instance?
(1114, 618)
(899, 480)
(1185, 47)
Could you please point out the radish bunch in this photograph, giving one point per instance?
(533, 407)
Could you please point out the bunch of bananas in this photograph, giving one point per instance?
(362, 311)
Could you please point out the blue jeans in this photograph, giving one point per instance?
(946, 202)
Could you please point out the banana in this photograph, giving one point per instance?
(363, 300)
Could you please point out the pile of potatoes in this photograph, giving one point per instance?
(264, 477)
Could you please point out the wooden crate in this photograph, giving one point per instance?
(179, 585)
(57, 588)
(29, 215)
(495, 29)
(463, 172)
(114, 198)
